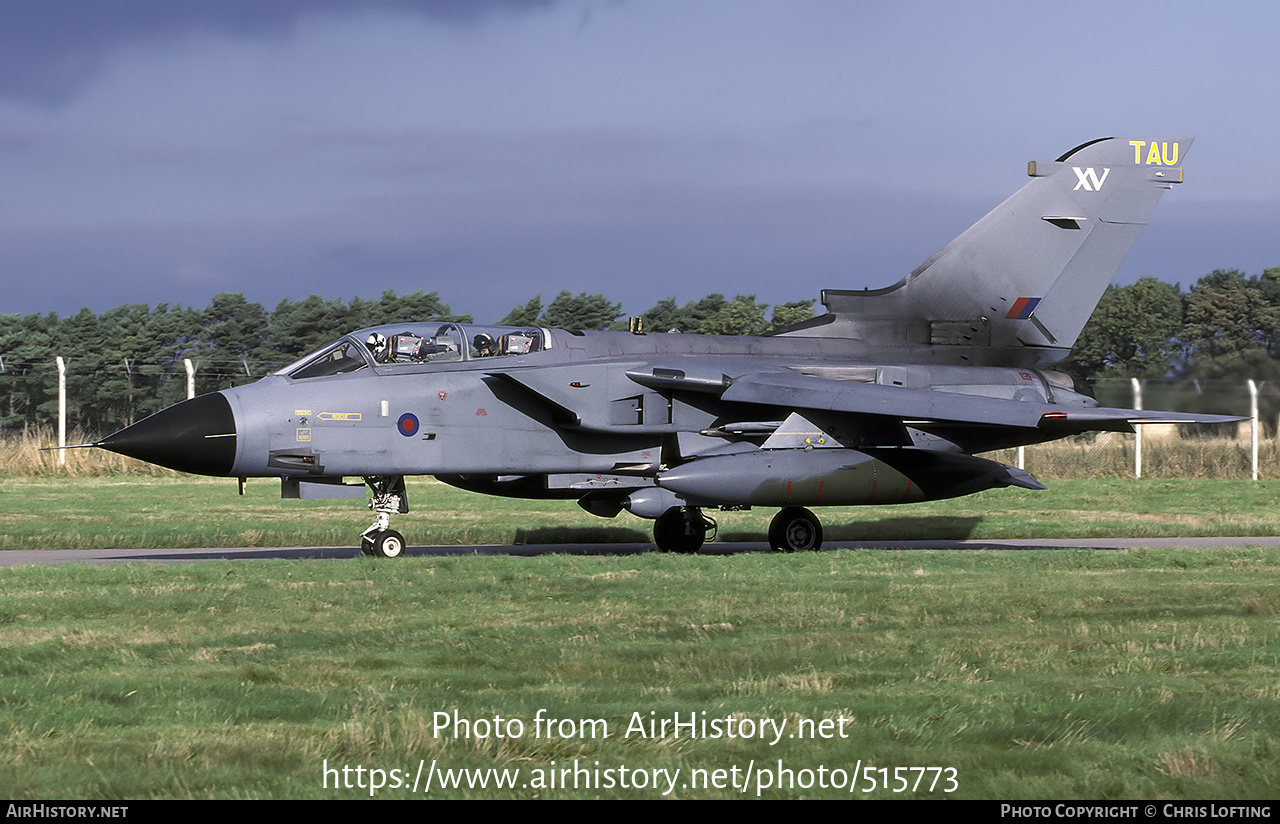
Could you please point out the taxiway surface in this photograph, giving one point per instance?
(106, 556)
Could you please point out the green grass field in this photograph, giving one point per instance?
(992, 674)
(1018, 675)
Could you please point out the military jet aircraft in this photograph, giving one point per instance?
(885, 399)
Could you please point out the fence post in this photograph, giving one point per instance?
(1137, 430)
(191, 378)
(1253, 427)
(62, 411)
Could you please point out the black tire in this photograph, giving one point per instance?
(795, 529)
(680, 529)
(388, 544)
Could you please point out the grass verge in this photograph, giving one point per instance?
(126, 512)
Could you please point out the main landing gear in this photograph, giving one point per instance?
(795, 529)
(682, 529)
(389, 497)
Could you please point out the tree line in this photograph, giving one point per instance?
(126, 363)
(1226, 327)
(1209, 340)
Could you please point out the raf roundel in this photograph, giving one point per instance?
(408, 424)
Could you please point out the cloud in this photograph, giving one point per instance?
(50, 49)
(155, 150)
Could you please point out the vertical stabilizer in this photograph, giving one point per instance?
(1029, 273)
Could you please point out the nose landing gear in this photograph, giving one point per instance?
(389, 497)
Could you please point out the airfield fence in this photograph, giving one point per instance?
(104, 396)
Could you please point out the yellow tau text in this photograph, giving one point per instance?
(1158, 155)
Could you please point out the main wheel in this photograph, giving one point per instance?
(680, 529)
(388, 544)
(795, 529)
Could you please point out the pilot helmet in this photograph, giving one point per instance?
(376, 342)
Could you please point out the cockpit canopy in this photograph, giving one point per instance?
(418, 343)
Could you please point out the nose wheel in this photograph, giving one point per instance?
(389, 497)
(384, 544)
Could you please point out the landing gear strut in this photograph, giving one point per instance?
(682, 529)
(389, 497)
(795, 529)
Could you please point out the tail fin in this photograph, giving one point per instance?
(1023, 280)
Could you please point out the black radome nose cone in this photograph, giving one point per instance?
(196, 435)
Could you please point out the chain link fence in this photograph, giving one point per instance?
(103, 396)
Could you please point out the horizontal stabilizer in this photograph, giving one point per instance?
(935, 406)
(1104, 419)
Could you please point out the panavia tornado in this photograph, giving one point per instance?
(885, 399)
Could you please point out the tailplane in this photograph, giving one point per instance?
(1019, 285)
